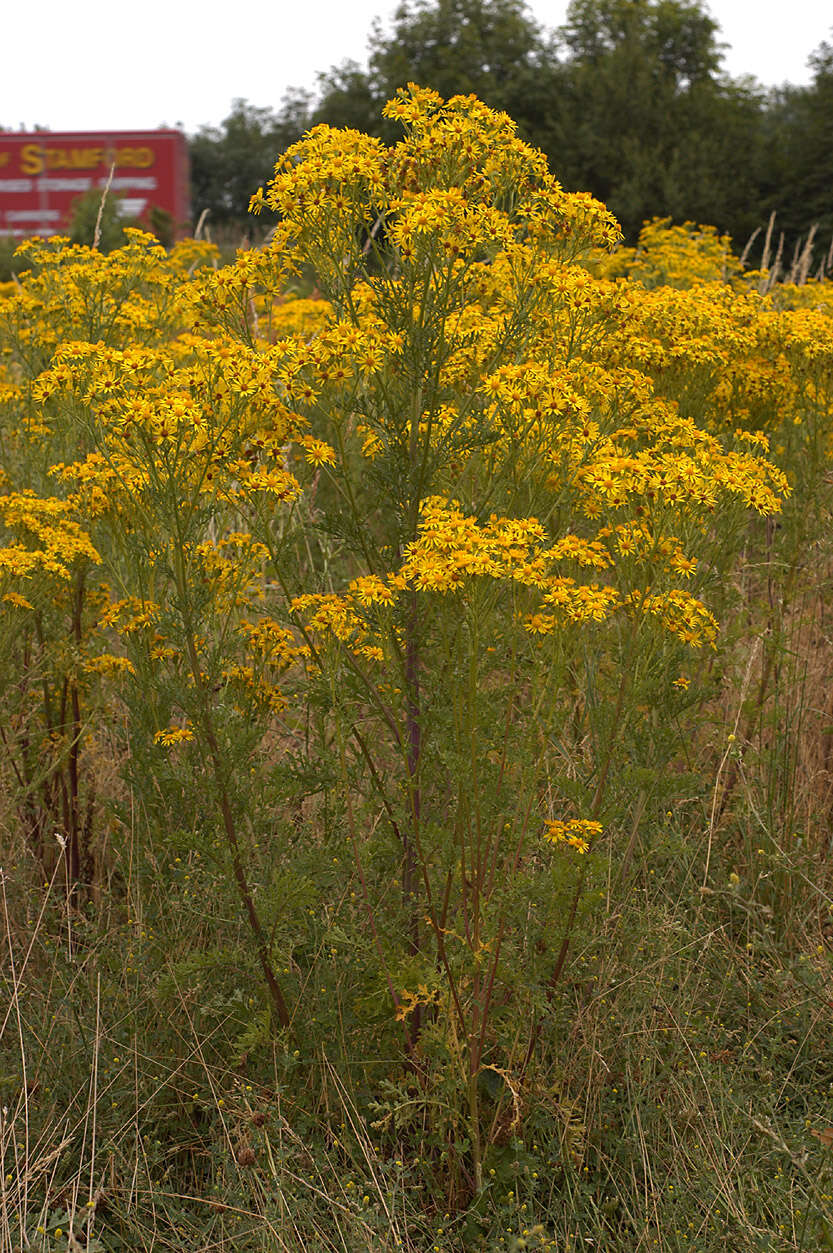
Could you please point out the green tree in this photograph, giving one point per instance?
(491, 48)
(347, 97)
(230, 160)
(799, 172)
(627, 99)
(646, 121)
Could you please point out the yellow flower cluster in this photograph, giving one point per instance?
(173, 735)
(45, 537)
(578, 833)
(680, 613)
(678, 256)
(135, 295)
(453, 548)
(129, 615)
(444, 192)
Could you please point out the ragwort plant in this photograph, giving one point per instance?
(404, 592)
(476, 464)
(170, 428)
(735, 354)
(52, 690)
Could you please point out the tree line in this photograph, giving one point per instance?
(627, 99)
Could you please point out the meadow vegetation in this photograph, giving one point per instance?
(415, 702)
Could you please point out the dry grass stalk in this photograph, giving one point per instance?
(750, 241)
(762, 286)
(720, 790)
(776, 266)
(97, 231)
(806, 258)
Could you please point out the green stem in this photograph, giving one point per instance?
(207, 727)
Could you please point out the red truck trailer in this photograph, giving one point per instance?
(42, 173)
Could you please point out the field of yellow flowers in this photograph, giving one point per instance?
(417, 724)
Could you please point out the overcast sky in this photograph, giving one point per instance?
(99, 64)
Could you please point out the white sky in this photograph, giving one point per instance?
(101, 64)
